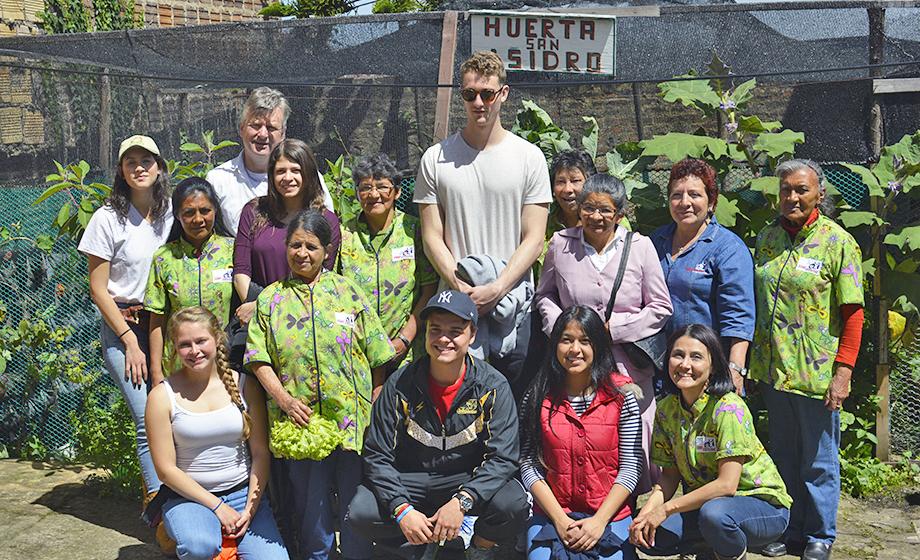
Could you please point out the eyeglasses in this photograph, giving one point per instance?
(487, 95)
(604, 211)
(383, 190)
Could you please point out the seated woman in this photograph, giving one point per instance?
(194, 267)
(581, 444)
(208, 439)
(734, 498)
(382, 252)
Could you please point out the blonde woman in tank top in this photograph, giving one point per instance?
(207, 431)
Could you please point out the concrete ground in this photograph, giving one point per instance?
(49, 513)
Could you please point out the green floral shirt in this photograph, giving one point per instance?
(800, 286)
(694, 441)
(322, 343)
(391, 267)
(180, 278)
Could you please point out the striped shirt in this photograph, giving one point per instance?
(630, 438)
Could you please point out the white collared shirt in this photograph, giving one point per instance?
(235, 186)
(602, 259)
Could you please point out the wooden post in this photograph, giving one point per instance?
(105, 123)
(445, 75)
(880, 307)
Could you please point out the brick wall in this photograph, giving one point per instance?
(20, 17)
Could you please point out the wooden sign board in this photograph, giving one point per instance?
(543, 42)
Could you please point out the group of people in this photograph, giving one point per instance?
(515, 362)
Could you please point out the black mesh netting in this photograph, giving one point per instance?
(366, 84)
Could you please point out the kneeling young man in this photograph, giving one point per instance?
(443, 443)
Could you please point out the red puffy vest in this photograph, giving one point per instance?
(582, 453)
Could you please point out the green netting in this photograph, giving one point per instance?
(39, 286)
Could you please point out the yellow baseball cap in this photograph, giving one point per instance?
(140, 141)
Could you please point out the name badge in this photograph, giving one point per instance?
(811, 266)
(222, 275)
(705, 444)
(403, 253)
(345, 319)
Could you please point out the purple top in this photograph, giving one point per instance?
(264, 257)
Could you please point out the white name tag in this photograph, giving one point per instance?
(404, 253)
(222, 275)
(345, 319)
(705, 444)
(811, 266)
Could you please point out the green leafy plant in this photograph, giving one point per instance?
(892, 183)
(199, 165)
(73, 16)
(342, 188)
(307, 8)
(744, 140)
(105, 438)
(400, 6)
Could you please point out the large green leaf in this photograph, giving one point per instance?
(869, 178)
(677, 145)
(753, 125)
(718, 68)
(897, 284)
(617, 167)
(51, 191)
(907, 238)
(589, 140)
(769, 186)
(778, 144)
(727, 211)
(744, 92)
(855, 218)
(691, 93)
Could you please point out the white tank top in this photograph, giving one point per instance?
(209, 445)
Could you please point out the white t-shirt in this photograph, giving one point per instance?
(128, 247)
(235, 186)
(482, 193)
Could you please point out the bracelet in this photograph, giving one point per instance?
(404, 340)
(124, 333)
(214, 509)
(403, 513)
(399, 509)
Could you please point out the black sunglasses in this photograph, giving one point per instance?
(487, 95)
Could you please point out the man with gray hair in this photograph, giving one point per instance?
(263, 125)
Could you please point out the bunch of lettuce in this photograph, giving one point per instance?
(315, 442)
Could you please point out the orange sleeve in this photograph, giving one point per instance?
(852, 317)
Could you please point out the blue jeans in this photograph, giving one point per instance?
(197, 530)
(805, 445)
(619, 528)
(113, 354)
(729, 525)
(311, 485)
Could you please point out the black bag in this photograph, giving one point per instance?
(646, 352)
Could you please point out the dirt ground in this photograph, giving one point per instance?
(49, 513)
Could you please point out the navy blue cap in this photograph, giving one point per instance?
(454, 302)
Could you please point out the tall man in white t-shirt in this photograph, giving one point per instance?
(263, 125)
(485, 192)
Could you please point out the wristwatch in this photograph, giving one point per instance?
(742, 371)
(466, 502)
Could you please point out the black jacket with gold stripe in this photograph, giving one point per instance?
(479, 435)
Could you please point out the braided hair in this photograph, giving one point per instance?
(202, 316)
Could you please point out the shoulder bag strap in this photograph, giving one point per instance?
(619, 278)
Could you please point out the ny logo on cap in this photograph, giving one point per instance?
(444, 297)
